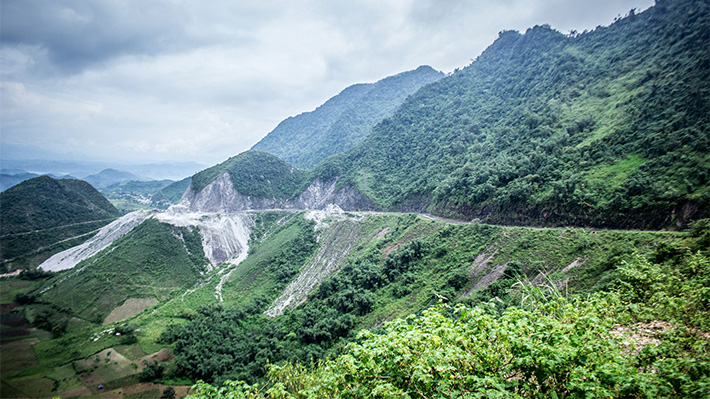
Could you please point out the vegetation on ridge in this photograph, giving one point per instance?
(401, 264)
(605, 128)
(155, 260)
(343, 121)
(42, 216)
(255, 173)
(644, 338)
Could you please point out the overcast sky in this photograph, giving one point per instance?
(168, 80)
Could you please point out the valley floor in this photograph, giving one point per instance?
(284, 265)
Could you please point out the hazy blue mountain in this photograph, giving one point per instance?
(344, 120)
(81, 169)
(9, 180)
(108, 177)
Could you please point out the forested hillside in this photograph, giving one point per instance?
(255, 173)
(602, 128)
(41, 216)
(344, 120)
(300, 283)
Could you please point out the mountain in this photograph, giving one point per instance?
(42, 215)
(165, 170)
(171, 193)
(344, 120)
(10, 177)
(8, 180)
(157, 171)
(151, 262)
(607, 128)
(255, 180)
(109, 177)
(298, 281)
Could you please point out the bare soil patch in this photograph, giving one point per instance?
(130, 308)
(394, 247)
(163, 355)
(382, 233)
(72, 393)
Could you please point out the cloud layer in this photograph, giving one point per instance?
(136, 80)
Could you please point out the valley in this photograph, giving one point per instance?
(535, 224)
(359, 268)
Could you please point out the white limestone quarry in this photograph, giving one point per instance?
(338, 234)
(225, 237)
(221, 196)
(69, 258)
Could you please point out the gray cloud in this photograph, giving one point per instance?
(168, 80)
(79, 34)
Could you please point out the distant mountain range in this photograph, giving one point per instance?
(81, 169)
(109, 177)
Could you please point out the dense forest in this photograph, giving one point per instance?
(255, 173)
(43, 215)
(603, 128)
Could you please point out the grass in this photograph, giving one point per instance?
(449, 251)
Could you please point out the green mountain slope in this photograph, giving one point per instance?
(607, 128)
(155, 260)
(109, 177)
(41, 216)
(170, 194)
(344, 120)
(255, 173)
(395, 265)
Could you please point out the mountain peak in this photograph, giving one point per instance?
(344, 120)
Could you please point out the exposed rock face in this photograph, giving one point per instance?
(225, 237)
(338, 234)
(69, 258)
(220, 196)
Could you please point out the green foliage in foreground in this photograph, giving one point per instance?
(548, 346)
(400, 264)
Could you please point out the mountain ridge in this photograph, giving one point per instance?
(549, 129)
(42, 215)
(343, 120)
